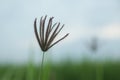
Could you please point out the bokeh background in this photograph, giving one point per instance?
(89, 22)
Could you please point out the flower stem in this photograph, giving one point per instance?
(42, 64)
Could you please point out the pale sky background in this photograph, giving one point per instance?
(83, 19)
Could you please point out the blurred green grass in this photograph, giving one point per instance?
(85, 70)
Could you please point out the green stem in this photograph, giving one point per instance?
(42, 65)
(99, 71)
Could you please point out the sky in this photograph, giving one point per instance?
(83, 19)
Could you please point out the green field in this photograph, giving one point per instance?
(66, 70)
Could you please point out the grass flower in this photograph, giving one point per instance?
(47, 35)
